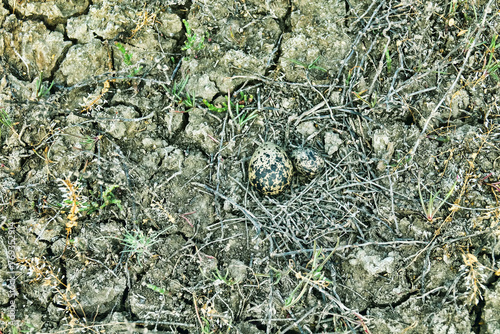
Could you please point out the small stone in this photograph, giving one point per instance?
(332, 143)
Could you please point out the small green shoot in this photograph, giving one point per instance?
(218, 277)
(242, 116)
(127, 59)
(205, 329)
(388, 60)
(177, 89)
(189, 101)
(191, 41)
(15, 327)
(5, 121)
(157, 289)
(374, 100)
(348, 79)
(276, 274)
(41, 89)
(136, 242)
(314, 277)
(492, 67)
(180, 96)
(430, 211)
(442, 139)
(310, 66)
(110, 199)
(214, 108)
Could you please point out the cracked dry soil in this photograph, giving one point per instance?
(126, 131)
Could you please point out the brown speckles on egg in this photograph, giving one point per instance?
(307, 162)
(270, 170)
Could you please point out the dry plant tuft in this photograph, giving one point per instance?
(475, 276)
(73, 200)
(39, 270)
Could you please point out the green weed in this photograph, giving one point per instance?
(430, 211)
(214, 108)
(241, 117)
(192, 42)
(14, 326)
(138, 243)
(388, 60)
(311, 66)
(372, 103)
(108, 199)
(5, 120)
(127, 60)
(218, 277)
(244, 116)
(180, 95)
(314, 277)
(205, 329)
(157, 289)
(41, 89)
(493, 64)
(401, 160)
(127, 57)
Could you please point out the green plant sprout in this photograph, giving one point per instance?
(218, 277)
(157, 289)
(206, 326)
(177, 89)
(41, 89)
(5, 121)
(127, 59)
(314, 277)
(442, 139)
(181, 97)
(243, 116)
(492, 67)
(430, 211)
(310, 66)
(189, 101)
(276, 275)
(190, 43)
(136, 242)
(109, 198)
(388, 60)
(214, 108)
(88, 142)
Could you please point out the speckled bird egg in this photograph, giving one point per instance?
(270, 170)
(307, 161)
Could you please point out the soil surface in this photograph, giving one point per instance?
(127, 128)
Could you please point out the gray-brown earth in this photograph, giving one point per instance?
(125, 205)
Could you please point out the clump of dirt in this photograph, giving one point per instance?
(126, 134)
